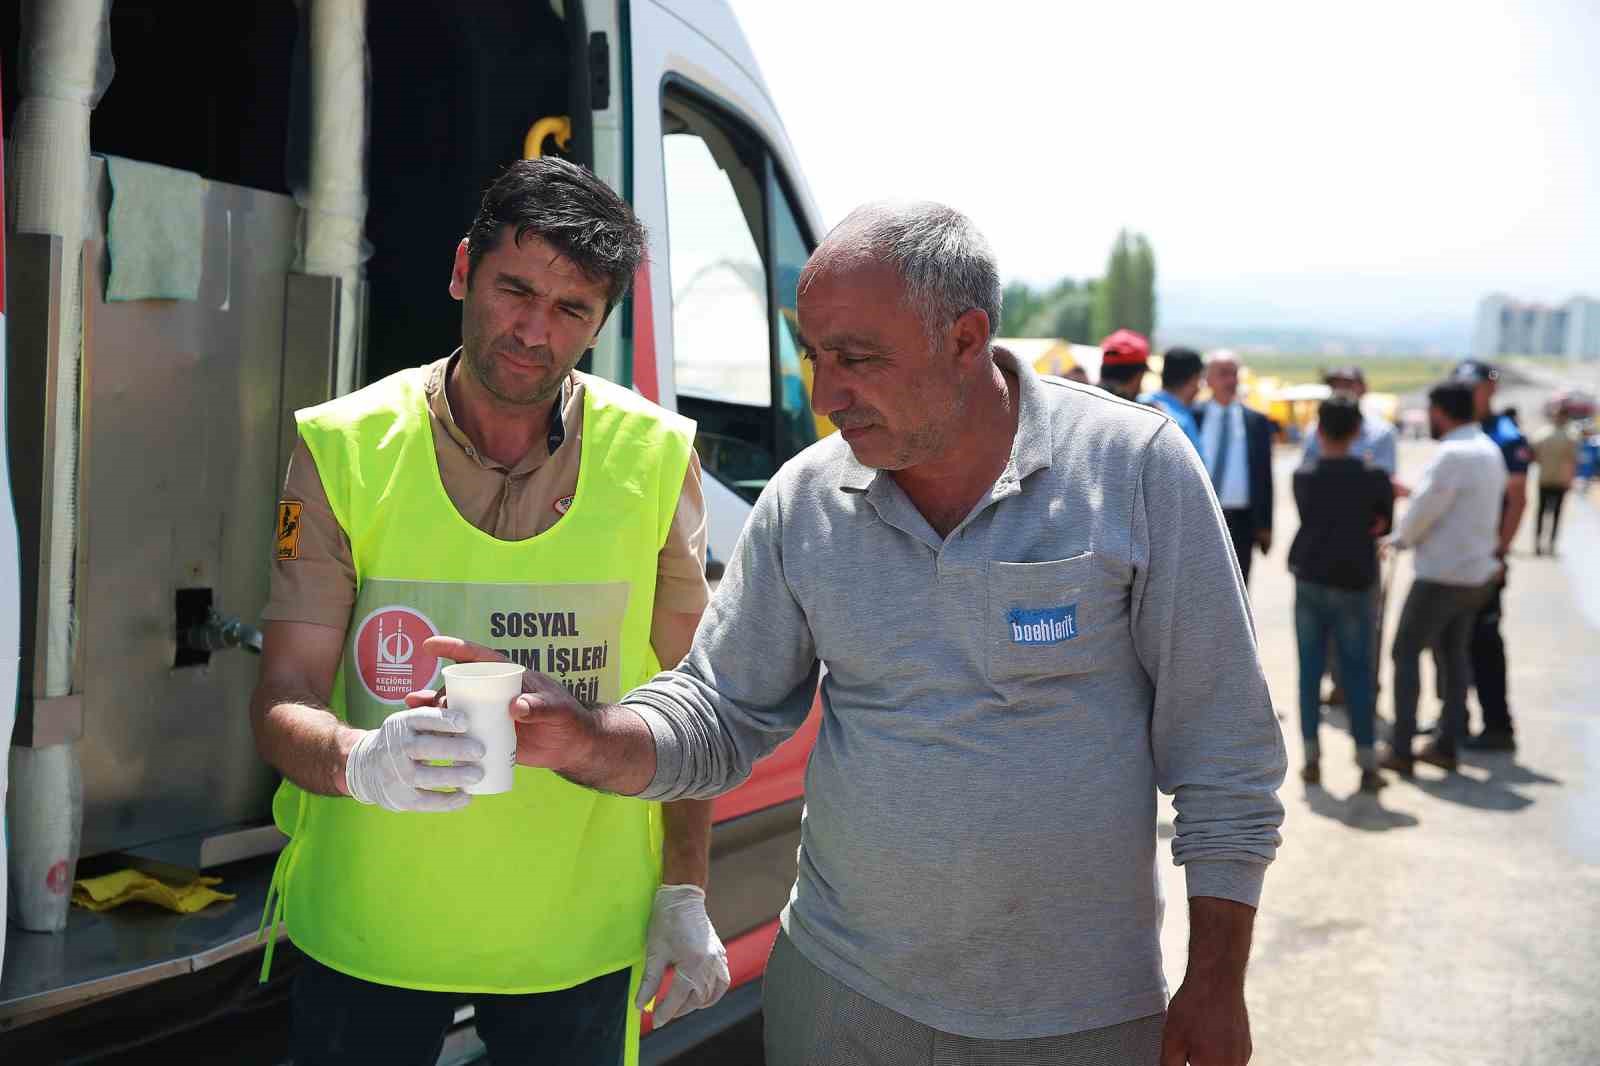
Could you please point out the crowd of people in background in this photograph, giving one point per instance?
(1459, 521)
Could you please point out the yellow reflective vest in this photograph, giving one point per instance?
(546, 886)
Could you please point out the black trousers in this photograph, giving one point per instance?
(1242, 529)
(1550, 497)
(339, 1019)
(1488, 654)
(1440, 617)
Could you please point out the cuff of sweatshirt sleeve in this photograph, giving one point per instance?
(669, 753)
(1226, 879)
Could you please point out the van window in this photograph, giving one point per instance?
(719, 287)
(796, 425)
(735, 250)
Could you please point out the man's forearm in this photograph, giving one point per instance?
(304, 741)
(686, 856)
(618, 753)
(1219, 940)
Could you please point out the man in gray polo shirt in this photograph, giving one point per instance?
(1023, 606)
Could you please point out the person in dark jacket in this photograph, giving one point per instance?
(1236, 446)
(1345, 505)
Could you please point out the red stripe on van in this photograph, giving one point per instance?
(645, 379)
(778, 778)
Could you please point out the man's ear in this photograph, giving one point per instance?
(459, 271)
(970, 336)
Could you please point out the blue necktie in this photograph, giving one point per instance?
(1224, 441)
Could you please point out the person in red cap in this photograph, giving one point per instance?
(1124, 358)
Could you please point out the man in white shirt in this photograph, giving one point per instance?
(1236, 444)
(1453, 523)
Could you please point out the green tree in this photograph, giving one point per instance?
(1019, 303)
(1063, 310)
(1067, 314)
(1144, 286)
(1126, 297)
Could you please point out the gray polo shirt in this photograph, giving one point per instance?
(999, 708)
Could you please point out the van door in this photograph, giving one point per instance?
(731, 225)
(715, 337)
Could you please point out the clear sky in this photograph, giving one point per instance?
(1347, 164)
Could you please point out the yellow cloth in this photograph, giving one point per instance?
(124, 886)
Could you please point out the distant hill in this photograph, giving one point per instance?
(1356, 316)
(1306, 340)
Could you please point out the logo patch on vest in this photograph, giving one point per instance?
(389, 655)
(1043, 625)
(287, 540)
(563, 505)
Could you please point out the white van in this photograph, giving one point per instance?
(185, 407)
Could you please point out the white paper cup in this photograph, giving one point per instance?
(483, 692)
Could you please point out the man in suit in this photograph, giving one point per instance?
(1236, 444)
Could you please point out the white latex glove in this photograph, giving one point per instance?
(389, 765)
(681, 936)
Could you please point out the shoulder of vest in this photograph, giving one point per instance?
(387, 399)
(608, 394)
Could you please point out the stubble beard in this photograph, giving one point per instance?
(487, 373)
(931, 440)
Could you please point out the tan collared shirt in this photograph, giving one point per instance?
(319, 583)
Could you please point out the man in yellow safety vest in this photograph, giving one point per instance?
(549, 514)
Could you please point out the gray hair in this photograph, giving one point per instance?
(946, 264)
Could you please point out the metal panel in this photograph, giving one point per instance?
(46, 723)
(116, 950)
(753, 865)
(310, 348)
(217, 846)
(32, 333)
(181, 433)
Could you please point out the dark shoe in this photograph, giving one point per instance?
(1371, 781)
(1398, 762)
(1311, 773)
(1336, 698)
(1434, 755)
(1492, 740)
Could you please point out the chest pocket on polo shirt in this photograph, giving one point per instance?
(1043, 617)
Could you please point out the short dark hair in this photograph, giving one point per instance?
(1121, 373)
(568, 206)
(1454, 398)
(1339, 418)
(1179, 367)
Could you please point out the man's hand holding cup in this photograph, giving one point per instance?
(553, 728)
